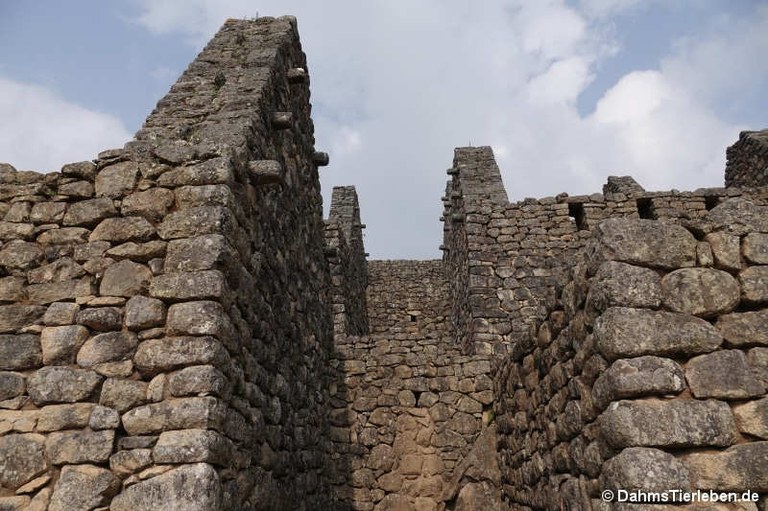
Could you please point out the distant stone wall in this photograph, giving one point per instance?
(652, 376)
(166, 327)
(409, 407)
(747, 160)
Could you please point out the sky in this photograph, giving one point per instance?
(567, 92)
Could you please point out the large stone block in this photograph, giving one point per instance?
(744, 328)
(197, 222)
(197, 285)
(20, 255)
(152, 204)
(108, 347)
(19, 352)
(59, 384)
(643, 242)
(675, 423)
(73, 447)
(198, 318)
(182, 413)
(198, 380)
(754, 246)
(125, 278)
(61, 343)
(210, 172)
(83, 487)
(22, 458)
(15, 317)
(60, 291)
(120, 230)
(752, 417)
(210, 251)
(89, 213)
(645, 469)
(101, 319)
(619, 284)
(122, 394)
(726, 250)
(703, 292)
(169, 353)
(623, 332)
(723, 375)
(738, 216)
(117, 180)
(142, 312)
(754, 285)
(192, 446)
(638, 377)
(738, 468)
(60, 270)
(187, 488)
(68, 416)
(11, 385)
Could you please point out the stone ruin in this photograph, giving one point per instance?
(180, 329)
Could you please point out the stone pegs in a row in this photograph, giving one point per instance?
(297, 75)
(320, 159)
(282, 120)
(265, 172)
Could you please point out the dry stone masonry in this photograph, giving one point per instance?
(180, 329)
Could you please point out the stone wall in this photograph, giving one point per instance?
(747, 163)
(652, 376)
(166, 326)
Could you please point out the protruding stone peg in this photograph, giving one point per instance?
(321, 159)
(282, 120)
(457, 218)
(444, 248)
(442, 218)
(297, 75)
(452, 171)
(361, 226)
(455, 195)
(264, 172)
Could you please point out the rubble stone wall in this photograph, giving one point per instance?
(747, 160)
(166, 323)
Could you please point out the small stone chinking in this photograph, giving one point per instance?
(181, 329)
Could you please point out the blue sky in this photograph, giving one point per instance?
(566, 91)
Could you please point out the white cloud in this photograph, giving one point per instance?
(40, 130)
(397, 86)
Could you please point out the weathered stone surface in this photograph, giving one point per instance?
(192, 446)
(736, 468)
(58, 384)
(61, 343)
(637, 377)
(624, 332)
(645, 469)
(200, 253)
(120, 230)
(754, 285)
(108, 347)
(152, 204)
(89, 213)
(83, 487)
(16, 231)
(19, 352)
(676, 423)
(198, 380)
(738, 216)
(206, 195)
(101, 319)
(754, 246)
(726, 250)
(752, 417)
(758, 359)
(48, 212)
(12, 289)
(117, 180)
(130, 461)
(744, 328)
(44, 294)
(103, 417)
(169, 353)
(143, 252)
(15, 317)
(76, 189)
(11, 385)
(187, 488)
(622, 284)
(64, 236)
(182, 413)
(142, 312)
(209, 172)
(122, 394)
(125, 278)
(68, 416)
(198, 285)
(196, 222)
(723, 375)
(72, 447)
(17, 503)
(81, 169)
(197, 318)
(703, 292)
(57, 271)
(20, 255)
(22, 458)
(478, 496)
(61, 314)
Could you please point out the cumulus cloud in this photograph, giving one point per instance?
(40, 129)
(397, 86)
